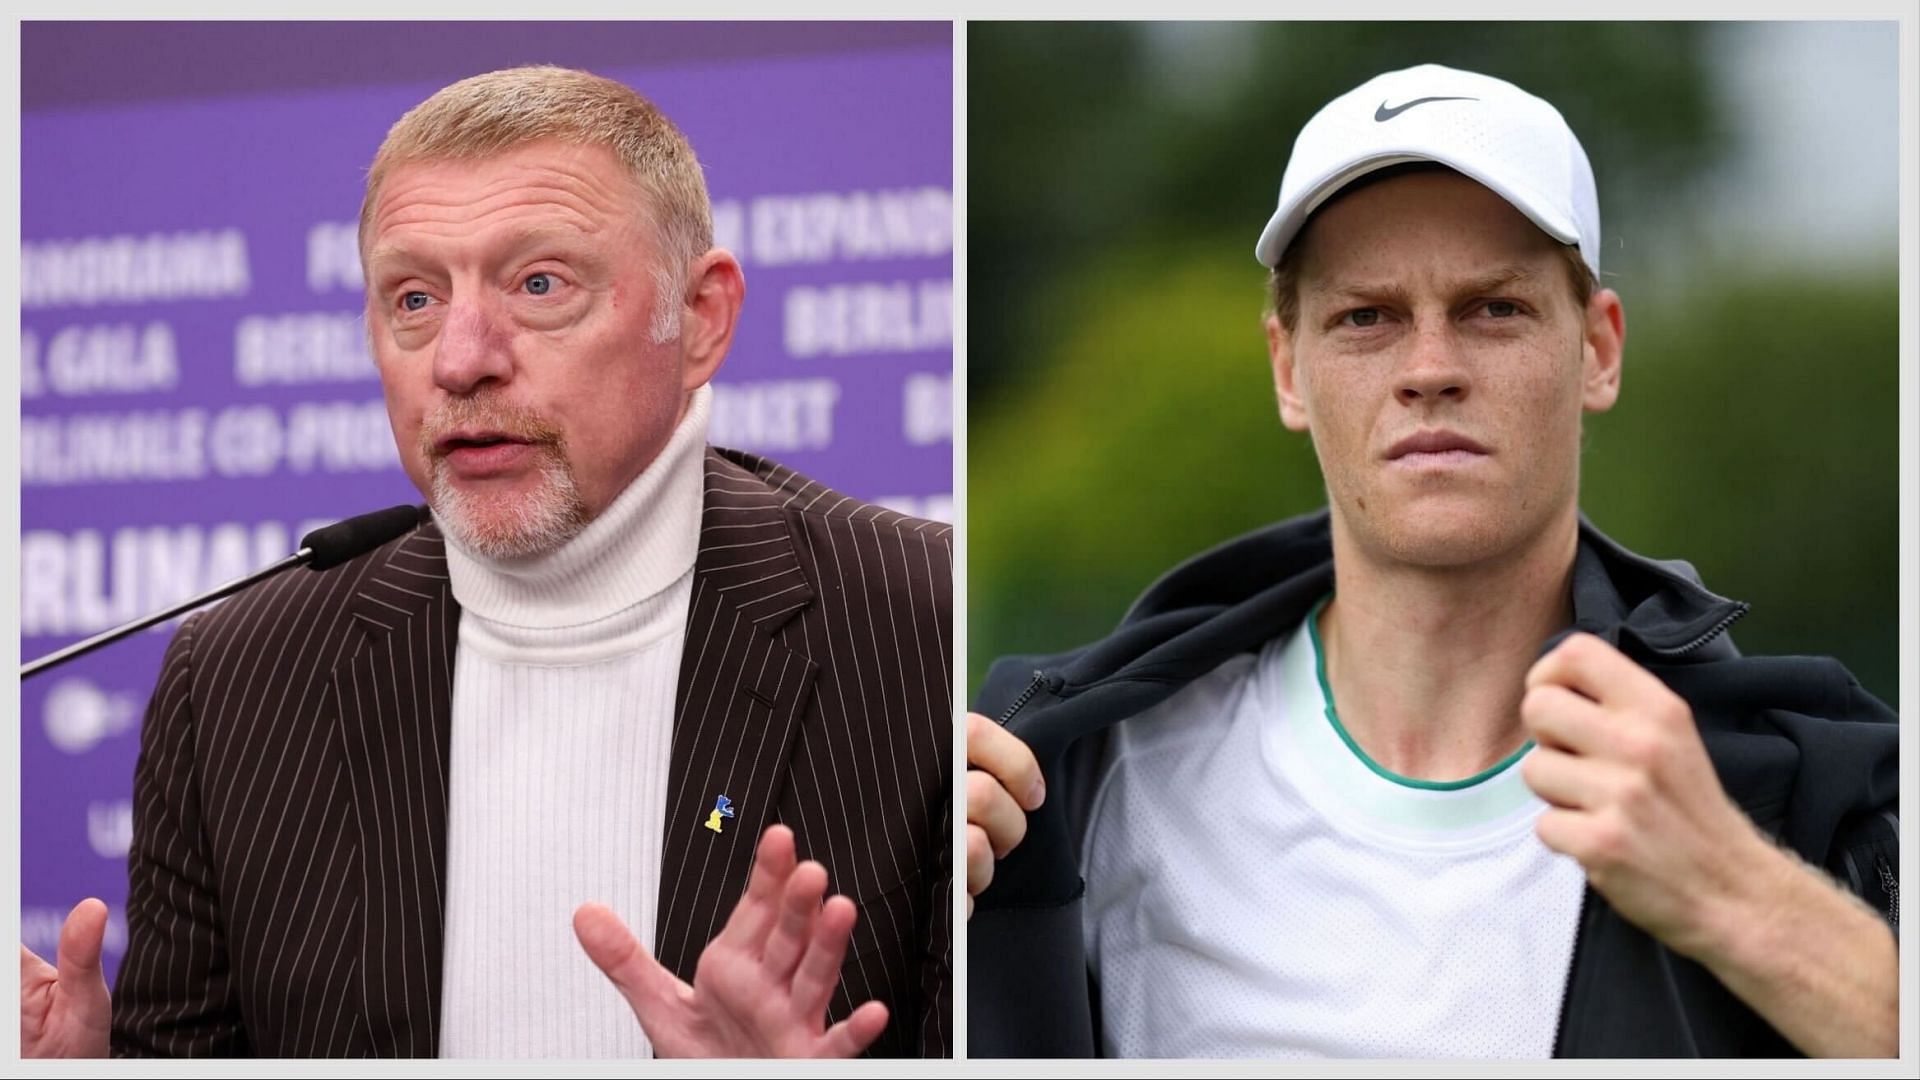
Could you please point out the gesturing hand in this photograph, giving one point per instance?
(762, 986)
(64, 1010)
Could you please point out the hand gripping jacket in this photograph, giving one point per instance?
(1805, 751)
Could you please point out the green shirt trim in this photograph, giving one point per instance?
(1333, 717)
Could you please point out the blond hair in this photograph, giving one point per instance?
(490, 114)
(1283, 281)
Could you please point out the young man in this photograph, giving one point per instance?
(412, 806)
(1440, 770)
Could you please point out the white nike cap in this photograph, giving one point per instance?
(1485, 128)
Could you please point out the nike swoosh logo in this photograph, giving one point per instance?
(1384, 114)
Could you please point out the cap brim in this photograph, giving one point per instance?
(1289, 217)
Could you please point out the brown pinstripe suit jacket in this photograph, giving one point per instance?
(291, 796)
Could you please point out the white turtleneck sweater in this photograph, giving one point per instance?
(563, 694)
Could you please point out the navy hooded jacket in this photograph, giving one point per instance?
(1798, 744)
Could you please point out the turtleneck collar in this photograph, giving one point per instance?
(643, 542)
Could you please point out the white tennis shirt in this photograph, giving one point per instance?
(1257, 887)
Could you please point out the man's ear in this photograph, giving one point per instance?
(1601, 351)
(716, 287)
(1286, 383)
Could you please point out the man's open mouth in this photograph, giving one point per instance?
(476, 442)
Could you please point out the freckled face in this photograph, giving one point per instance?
(509, 303)
(1441, 363)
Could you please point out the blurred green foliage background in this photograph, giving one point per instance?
(1121, 413)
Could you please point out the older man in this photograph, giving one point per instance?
(617, 689)
(1441, 770)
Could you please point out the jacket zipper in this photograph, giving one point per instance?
(1039, 683)
(1890, 886)
(1712, 632)
(1586, 894)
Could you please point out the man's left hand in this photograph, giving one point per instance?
(1632, 794)
(762, 986)
(1635, 799)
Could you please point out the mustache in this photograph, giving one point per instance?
(489, 413)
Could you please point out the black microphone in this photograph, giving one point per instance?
(354, 537)
(321, 549)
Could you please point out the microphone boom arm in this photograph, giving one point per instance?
(107, 637)
(321, 549)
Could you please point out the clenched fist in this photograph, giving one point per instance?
(1004, 784)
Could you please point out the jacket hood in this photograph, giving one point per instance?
(1245, 592)
(1658, 605)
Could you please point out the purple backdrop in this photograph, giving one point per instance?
(195, 388)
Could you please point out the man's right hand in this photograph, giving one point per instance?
(64, 1011)
(1003, 784)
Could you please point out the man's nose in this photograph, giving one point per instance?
(1433, 368)
(473, 348)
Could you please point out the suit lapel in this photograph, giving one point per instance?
(740, 698)
(395, 704)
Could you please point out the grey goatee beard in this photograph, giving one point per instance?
(512, 528)
(501, 526)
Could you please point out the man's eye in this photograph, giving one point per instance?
(1502, 309)
(1363, 316)
(414, 301)
(539, 284)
